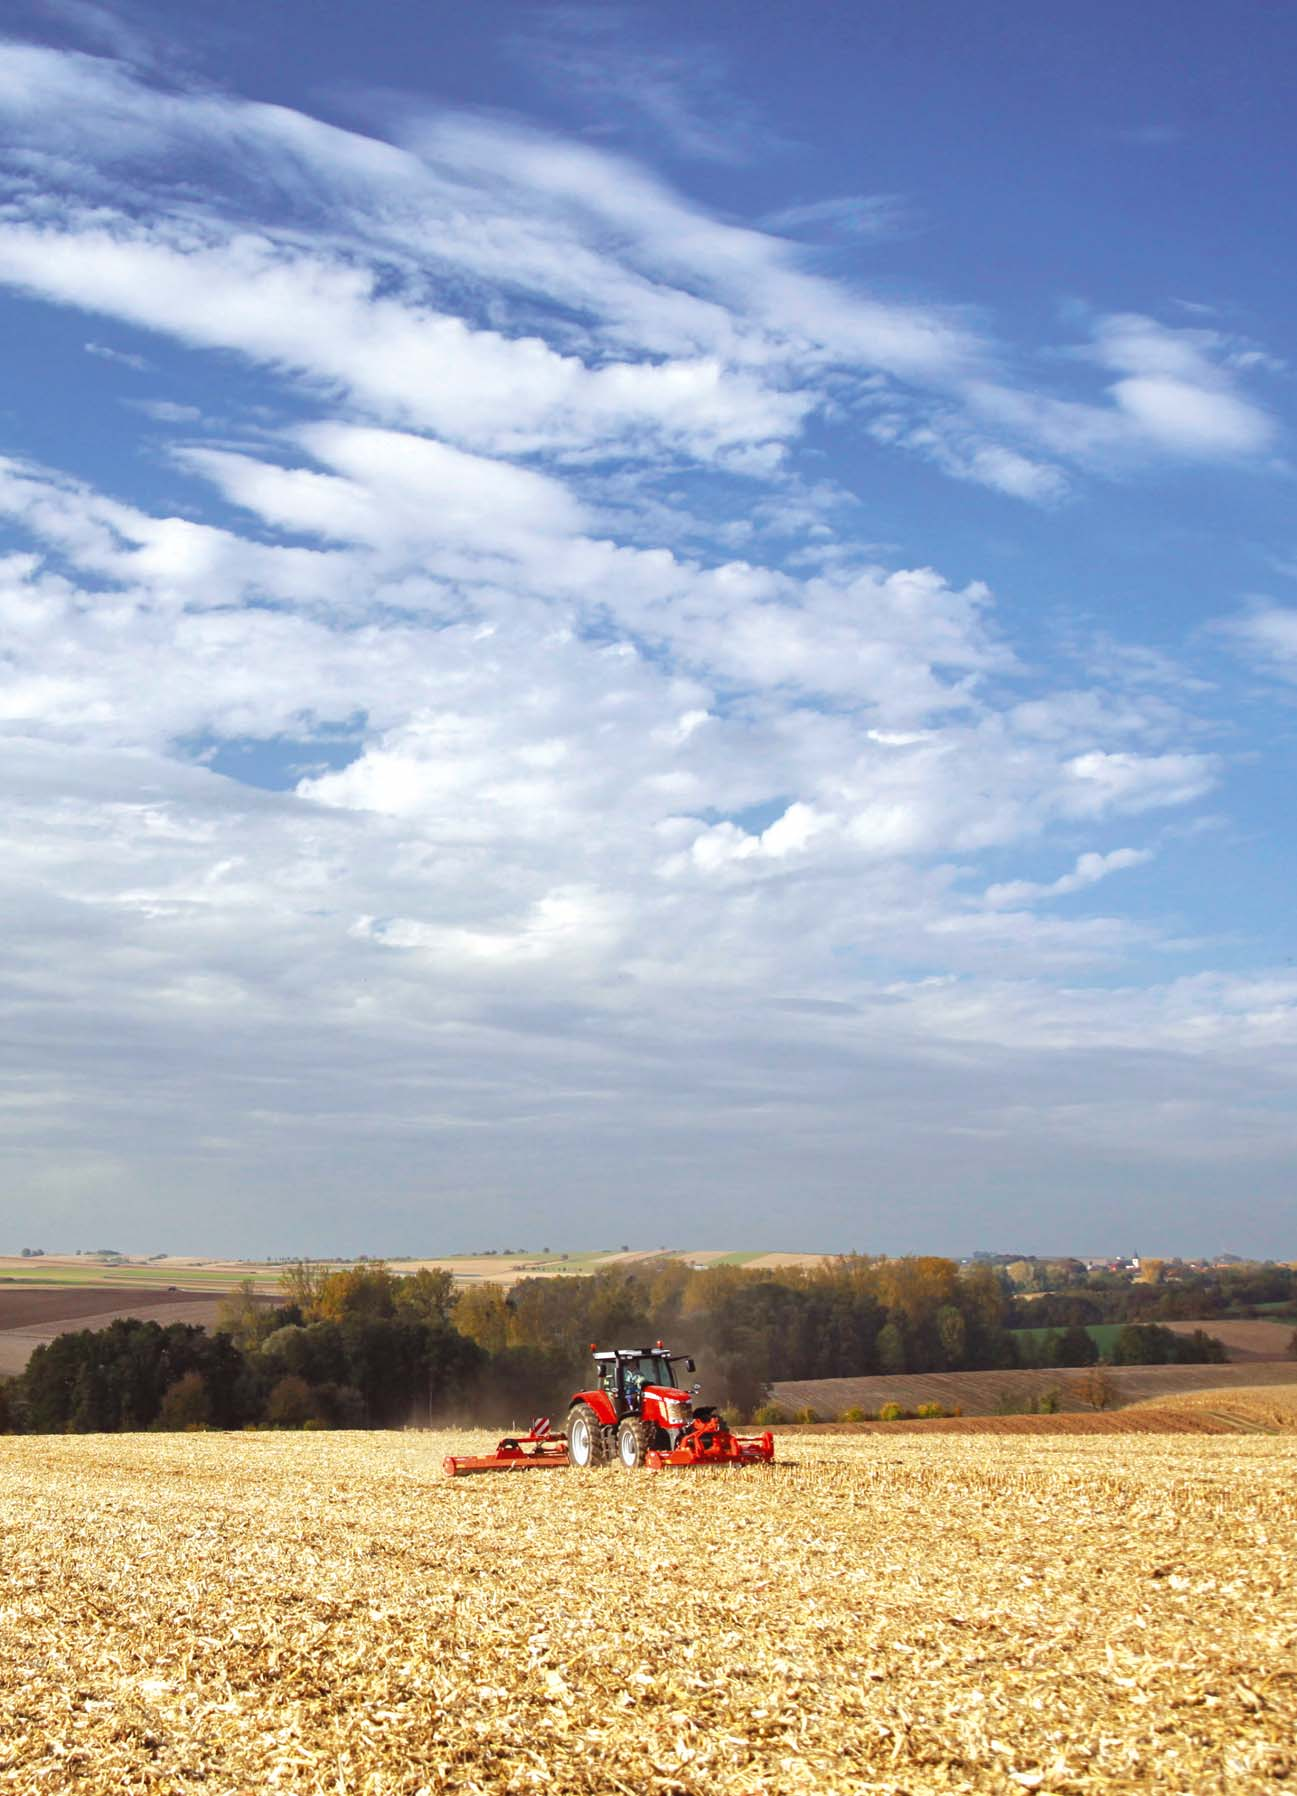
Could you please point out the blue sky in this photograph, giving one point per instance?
(655, 623)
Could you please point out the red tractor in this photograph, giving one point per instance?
(637, 1415)
(640, 1415)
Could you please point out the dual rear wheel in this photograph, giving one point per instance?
(632, 1442)
(586, 1443)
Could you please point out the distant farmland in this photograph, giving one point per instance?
(223, 1275)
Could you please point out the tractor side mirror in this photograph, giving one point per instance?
(690, 1366)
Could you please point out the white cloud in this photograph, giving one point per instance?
(1266, 634)
(947, 439)
(1176, 395)
(321, 318)
(1193, 420)
(392, 488)
(504, 695)
(1090, 868)
(1105, 781)
(518, 293)
(1176, 388)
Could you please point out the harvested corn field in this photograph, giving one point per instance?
(315, 1612)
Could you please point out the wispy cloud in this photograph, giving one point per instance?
(123, 357)
(1152, 135)
(694, 334)
(117, 29)
(604, 63)
(166, 411)
(1265, 634)
(850, 215)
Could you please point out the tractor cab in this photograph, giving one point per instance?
(626, 1373)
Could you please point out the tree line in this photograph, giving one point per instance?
(365, 1347)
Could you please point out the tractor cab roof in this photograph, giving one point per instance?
(650, 1365)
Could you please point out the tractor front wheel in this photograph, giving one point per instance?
(586, 1446)
(632, 1442)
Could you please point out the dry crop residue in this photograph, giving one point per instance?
(312, 1613)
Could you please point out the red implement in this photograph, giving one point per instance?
(710, 1442)
(515, 1453)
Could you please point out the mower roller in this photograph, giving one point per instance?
(638, 1415)
(515, 1453)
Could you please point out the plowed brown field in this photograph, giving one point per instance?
(326, 1613)
(30, 1317)
(981, 1393)
(37, 1306)
(1139, 1418)
(1246, 1340)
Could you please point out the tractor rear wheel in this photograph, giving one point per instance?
(632, 1442)
(586, 1445)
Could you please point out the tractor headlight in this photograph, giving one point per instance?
(677, 1412)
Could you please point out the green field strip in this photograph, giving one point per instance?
(1103, 1334)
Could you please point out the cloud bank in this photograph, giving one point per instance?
(498, 784)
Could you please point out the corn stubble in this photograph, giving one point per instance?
(326, 1613)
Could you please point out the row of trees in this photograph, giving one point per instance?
(1138, 1344)
(365, 1348)
(850, 1316)
(135, 1375)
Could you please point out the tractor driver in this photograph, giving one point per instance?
(622, 1384)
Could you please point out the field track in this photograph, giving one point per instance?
(326, 1613)
(981, 1393)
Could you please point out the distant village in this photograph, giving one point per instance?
(1048, 1272)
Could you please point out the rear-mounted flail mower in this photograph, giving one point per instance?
(636, 1414)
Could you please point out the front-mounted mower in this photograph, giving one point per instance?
(636, 1414)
